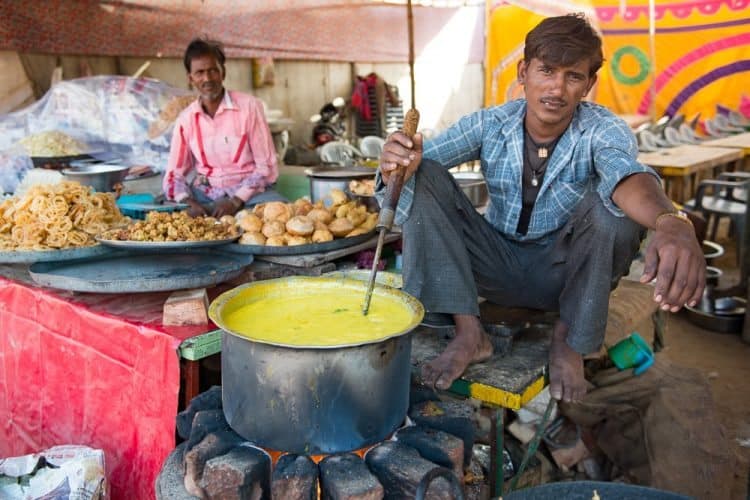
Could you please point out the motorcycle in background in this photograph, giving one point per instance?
(329, 123)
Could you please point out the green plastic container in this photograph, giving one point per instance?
(632, 352)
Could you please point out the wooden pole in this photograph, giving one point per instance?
(652, 53)
(410, 21)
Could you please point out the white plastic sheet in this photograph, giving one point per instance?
(111, 115)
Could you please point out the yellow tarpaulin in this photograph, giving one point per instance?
(701, 52)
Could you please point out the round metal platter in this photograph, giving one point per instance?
(65, 254)
(301, 249)
(133, 273)
(164, 245)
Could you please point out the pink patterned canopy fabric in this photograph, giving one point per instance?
(363, 31)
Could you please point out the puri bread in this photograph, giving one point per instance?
(340, 227)
(356, 232)
(250, 223)
(357, 217)
(259, 209)
(276, 210)
(300, 225)
(337, 197)
(273, 228)
(227, 219)
(371, 221)
(252, 238)
(320, 214)
(321, 236)
(275, 241)
(297, 240)
(302, 206)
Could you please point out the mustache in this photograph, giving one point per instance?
(552, 100)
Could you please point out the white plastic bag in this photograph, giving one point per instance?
(62, 472)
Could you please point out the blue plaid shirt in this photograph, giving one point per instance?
(596, 151)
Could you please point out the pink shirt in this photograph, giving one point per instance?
(231, 154)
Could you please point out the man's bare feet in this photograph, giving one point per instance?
(470, 345)
(565, 368)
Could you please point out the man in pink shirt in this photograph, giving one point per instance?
(222, 156)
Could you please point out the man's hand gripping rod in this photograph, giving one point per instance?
(388, 210)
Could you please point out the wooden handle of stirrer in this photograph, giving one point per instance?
(396, 179)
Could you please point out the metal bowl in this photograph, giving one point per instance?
(713, 274)
(711, 251)
(728, 315)
(101, 177)
(474, 187)
(323, 179)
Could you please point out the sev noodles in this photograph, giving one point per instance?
(56, 216)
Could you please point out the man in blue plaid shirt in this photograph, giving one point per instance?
(569, 205)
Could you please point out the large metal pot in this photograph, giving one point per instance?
(313, 400)
(323, 179)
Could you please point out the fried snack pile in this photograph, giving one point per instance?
(302, 222)
(52, 143)
(169, 114)
(364, 187)
(56, 216)
(175, 226)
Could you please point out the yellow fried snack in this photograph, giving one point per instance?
(276, 210)
(320, 214)
(297, 240)
(55, 216)
(300, 226)
(252, 238)
(275, 241)
(340, 227)
(356, 232)
(337, 197)
(321, 236)
(363, 187)
(175, 226)
(273, 228)
(250, 223)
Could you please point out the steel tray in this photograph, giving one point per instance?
(65, 254)
(133, 273)
(164, 245)
(301, 249)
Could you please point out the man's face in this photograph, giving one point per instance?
(207, 77)
(552, 93)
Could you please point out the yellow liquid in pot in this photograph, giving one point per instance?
(327, 318)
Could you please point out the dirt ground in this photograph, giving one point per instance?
(725, 361)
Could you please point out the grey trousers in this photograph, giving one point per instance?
(452, 255)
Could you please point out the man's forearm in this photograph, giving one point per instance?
(642, 199)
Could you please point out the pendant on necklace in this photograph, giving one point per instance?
(534, 181)
(542, 152)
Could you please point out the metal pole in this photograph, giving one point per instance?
(652, 54)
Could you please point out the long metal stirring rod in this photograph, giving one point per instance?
(388, 210)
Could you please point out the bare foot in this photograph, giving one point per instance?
(565, 368)
(470, 345)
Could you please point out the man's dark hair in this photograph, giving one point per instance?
(200, 47)
(564, 41)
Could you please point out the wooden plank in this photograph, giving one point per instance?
(688, 159)
(507, 381)
(741, 141)
(313, 259)
(201, 346)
